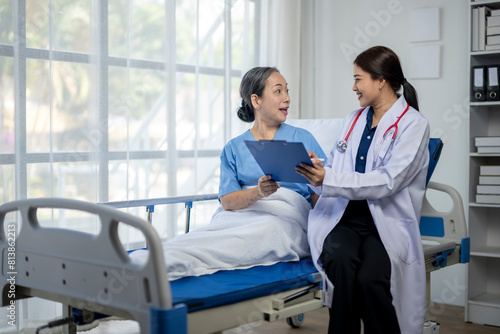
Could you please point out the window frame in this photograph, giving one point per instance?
(20, 53)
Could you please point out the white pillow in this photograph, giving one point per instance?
(326, 131)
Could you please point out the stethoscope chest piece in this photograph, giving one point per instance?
(342, 146)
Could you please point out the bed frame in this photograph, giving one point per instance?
(49, 263)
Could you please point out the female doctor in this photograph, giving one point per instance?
(364, 230)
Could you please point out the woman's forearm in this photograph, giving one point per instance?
(240, 199)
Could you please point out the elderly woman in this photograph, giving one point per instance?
(260, 221)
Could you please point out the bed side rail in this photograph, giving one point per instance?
(87, 271)
(447, 229)
(454, 225)
(150, 204)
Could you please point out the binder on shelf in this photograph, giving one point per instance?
(487, 141)
(492, 39)
(488, 149)
(492, 47)
(475, 29)
(494, 30)
(488, 189)
(489, 180)
(493, 94)
(488, 199)
(490, 144)
(478, 83)
(484, 13)
(493, 20)
(489, 170)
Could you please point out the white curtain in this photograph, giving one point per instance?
(127, 99)
(113, 100)
(288, 43)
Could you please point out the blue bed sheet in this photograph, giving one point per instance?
(231, 286)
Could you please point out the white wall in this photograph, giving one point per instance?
(364, 23)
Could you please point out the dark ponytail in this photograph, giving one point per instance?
(410, 94)
(253, 82)
(382, 63)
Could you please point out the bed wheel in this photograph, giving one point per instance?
(295, 321)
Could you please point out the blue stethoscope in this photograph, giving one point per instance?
(342, 144)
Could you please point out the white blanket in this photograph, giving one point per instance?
(269, 231)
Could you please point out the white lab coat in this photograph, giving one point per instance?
(394, 193)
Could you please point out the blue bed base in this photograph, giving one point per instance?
(192, 294)
(230, 286)
(225, 287)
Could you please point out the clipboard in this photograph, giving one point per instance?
(279, 158)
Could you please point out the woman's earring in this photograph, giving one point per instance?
(379, 87)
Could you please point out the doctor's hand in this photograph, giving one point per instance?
(266, 186)
(315, 173)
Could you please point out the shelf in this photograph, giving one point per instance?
(484, 205)
(486, 299)
(485, 54)
(486, 251)
(483, 270)
(483, 3)
(485, 104)
(482, 155)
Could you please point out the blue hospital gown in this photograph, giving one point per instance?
(238, 167)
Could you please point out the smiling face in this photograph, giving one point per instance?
(272, 106)
(367, 89)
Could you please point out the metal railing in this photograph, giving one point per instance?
(149, 204)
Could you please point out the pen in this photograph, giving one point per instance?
(320, 159)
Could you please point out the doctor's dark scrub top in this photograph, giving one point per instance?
(365, 142)
(238, 168)
(357, 212)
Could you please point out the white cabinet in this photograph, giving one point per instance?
(483, 293)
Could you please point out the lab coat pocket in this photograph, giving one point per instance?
(406, 238)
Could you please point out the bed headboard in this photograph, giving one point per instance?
(325, 131)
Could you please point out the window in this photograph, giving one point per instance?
(120, 99)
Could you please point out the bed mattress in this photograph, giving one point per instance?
(231, 286)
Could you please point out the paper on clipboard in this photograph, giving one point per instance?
(279, 159)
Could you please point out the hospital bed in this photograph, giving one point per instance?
(49, 263)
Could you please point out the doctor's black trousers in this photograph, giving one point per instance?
(356, 262)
